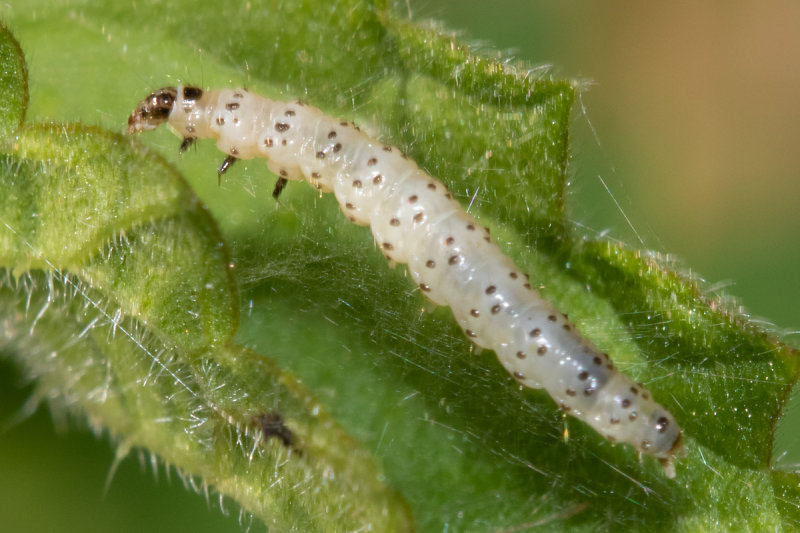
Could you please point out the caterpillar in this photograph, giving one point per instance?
(453, 259)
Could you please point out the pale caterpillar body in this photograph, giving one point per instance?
(450, 256)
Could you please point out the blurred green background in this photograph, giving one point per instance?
(695, 110)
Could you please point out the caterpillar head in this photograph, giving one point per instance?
(153, 110)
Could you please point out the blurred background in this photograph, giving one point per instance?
(688, 145)
(697, 120)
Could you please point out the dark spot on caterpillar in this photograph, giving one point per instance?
(432, 186)
(519, 375)
(377, 179)
(614, 420)
(272, 426)
(345, 124)
(632, 416)
(220, 121)
(238, 95)
(645, 395)
(570, 392)
(235, 120)
(471, 227)
(646, 444)
(454, 259)
(449, 241)
(192, 93)
(541, 350)
(496, 309)
(419, 217)
(388, 246)
(315, 174)
(430, 263)
(232, 106)
(283, 173)
(535, 332)
(357, 184)
(588, 391)
(337, 147)
(447, 195)
(487, 239)
(625, 403)
(424, 287)
(289, 113)
(320, 155)
(513, 275)
(234, 150)
(566, 327)
(475, 313)
(281, 126)
(283, 142)
(395, 222)
(470, 333)
(348, 205)
(268, 142)
(527, 285)
(491, 289)
(413, 199)
(387, 148)
(551, 318)
(661, 424)
(583, 376)
(635, 391)
(521, 355)
(597, 361)
(372, 162)
(332, 135)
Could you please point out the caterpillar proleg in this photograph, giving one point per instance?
(450, 256)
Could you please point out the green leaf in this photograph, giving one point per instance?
(13, 84)
(131, 322)
(112, 263)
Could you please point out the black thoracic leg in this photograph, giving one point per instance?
(187, 142)
(279, 185)
(224, 167)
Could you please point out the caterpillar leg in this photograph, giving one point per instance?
(187, 142)
(224, 167)
(279, 186)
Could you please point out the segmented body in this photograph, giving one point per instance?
(450, 256)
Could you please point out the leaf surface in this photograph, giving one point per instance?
(99, 232)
